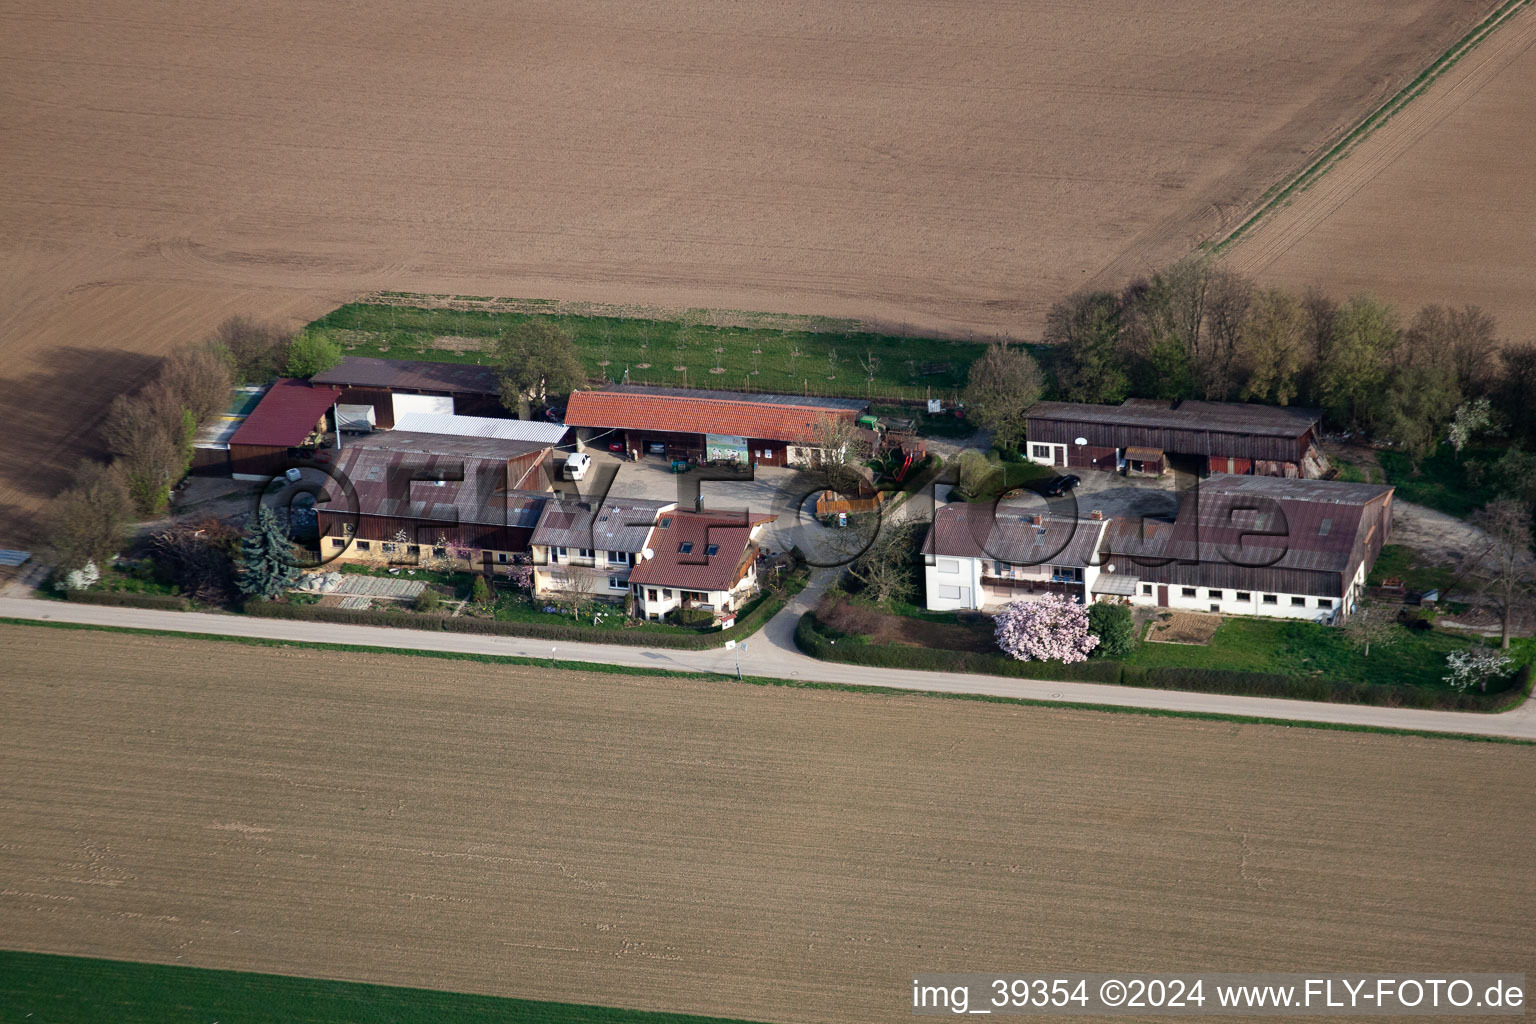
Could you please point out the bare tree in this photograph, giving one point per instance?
(88, 522)
(1504, 569)
(259, 349)
(887, 568)
(1373, 625)
(838, 447)
(200, 378)
(200, 558)
(151, 434)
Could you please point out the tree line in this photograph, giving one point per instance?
(1199, 330)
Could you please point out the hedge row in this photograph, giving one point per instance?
(810, 639)
(129, 599)
(748, 623)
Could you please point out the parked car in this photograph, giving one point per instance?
(576, 465)
(1056, 486)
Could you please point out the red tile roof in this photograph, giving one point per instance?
(696, 569)
(771, 417)
(285, 415)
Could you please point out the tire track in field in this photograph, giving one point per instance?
(1359, 166)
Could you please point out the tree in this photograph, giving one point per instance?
(1517, 384)
(1462, 339)
(83, 578)
(1002, 385)
(1469, 419)
(1353, 375)
(1164, 324)
(839, 446)
(267, 565)
(1229, 302)
(534, 360)
(1417, 404)
(260, 350)
(313, 351)
(149, 433)
(1503, 568)
(1083, 331)
(480, 592)
(1115, 627)
(887, 568)
(1477, 665)
(200, 377)
(89, 520)
(1272, 347)
(1372, 626)
(1050, 628)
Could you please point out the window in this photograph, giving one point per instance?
(439, 552)
(948, 565)
(363, 545)
(1215, 595)
(666, 522)
(949, 593)
(1040, 451)
(767, 453)
(618, 558)
(685, 548)
(666, 593)
(1271, 599)
(1146, 588)
(387, 547)
(501, 556)
(1187, 591)
(1298, 602)
(615, 583)
(1243, 595)
(584, 552)
(413, 550)
(712, 550)
(650, 595)
(1323, 527)
(1066, 574)
(559, 553)
(1324, 602)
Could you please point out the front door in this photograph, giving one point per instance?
(1061, 454)
(1162, 595)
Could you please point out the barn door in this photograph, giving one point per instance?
(1162, 596)
(1061, 454)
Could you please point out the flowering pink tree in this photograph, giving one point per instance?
(521, 577)
(1051, 628)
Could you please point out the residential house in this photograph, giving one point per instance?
(579, 549)
(705, 560)
(1256, 546)
(982, 556)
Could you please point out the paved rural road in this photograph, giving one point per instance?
(772, 653)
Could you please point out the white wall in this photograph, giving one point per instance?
(1050, 460)
(952, 584)
(1228, 604)
(430, 404)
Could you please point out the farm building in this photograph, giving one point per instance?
(394, 387)
(285, 427)
(1141, 436)
(404, 497)
(482, 426)
(1254, 546)
(699, 560)
(981, 556)
(210, 449)
(709, 426)
(579, 549)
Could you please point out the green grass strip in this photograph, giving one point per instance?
(1277, 195)
(47, 989)
(797, 684)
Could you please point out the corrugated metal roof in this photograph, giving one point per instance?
(11, 558)
(1007, 533)
(286, 414)
(1228, 417)
(453, 378)
(444, 444)
(399, 485)
(618, 524)
(1116, 584)
(481, 426)
(678, 410)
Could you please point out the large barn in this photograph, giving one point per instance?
(285, 427)
(394, 387)
(1143, 436)
(713, 426)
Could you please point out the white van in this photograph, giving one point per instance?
(576, 465)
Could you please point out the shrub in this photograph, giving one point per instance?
(1115, 628)
(312, 352)
(428, 601)
(128, 599)
(692, 617)
(480, 591)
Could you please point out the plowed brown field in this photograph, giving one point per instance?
(763, 853)
(948, 166)
(1435, 206)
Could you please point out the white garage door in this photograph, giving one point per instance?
(430, 404)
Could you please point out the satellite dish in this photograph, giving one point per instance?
(1080, 441)
(1110, 567)
(648, 554)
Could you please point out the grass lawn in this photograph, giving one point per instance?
(832, 362)
(1440, 480)
(1005, 476)
(1398, 561)
(135, 579)
(52, 989)
(1288, 647)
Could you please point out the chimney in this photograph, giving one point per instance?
(1096, 514)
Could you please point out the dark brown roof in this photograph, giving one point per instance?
(285, 415)
(445, 444)
(450, 378)
(684, 411)
(696, 568)
(618, 524)
(398, 484)
(1226, 417)
(1007, 533)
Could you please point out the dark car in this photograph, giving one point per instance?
(1056, 486)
